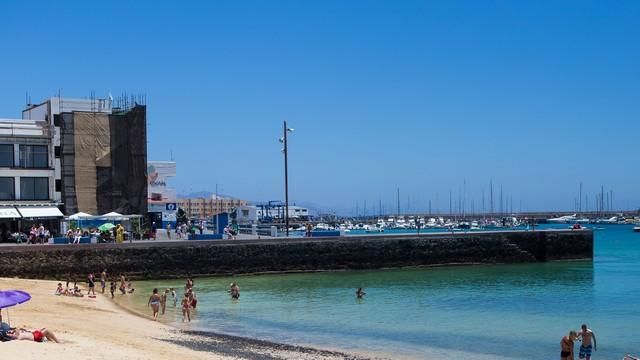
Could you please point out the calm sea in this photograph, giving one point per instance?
(461, 312)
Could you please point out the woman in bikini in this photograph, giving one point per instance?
(186, 307)
(154, 302)
(566, 346)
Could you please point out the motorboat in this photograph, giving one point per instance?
(636, 229)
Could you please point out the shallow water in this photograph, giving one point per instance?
(462, 312)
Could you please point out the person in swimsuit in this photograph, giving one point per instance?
(186, 308)
(566, 346)
(92, 284)
(123, 286)
(154, 302)
(37, 335)
(103, 279)
(174, 296)
(360, 293)
(586, 335)
(112, 288)
(60, 290)
(163, 300)
(235, 291)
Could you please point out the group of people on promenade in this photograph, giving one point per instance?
(37, 234)
(114, 234)
(182, 230)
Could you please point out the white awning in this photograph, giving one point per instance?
(80, 215)
(9, 213)
(112, 214)
(40, 212)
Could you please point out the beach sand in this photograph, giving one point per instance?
(100, 329)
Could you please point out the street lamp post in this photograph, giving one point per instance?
(285, 150)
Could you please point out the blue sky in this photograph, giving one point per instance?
(538, 96)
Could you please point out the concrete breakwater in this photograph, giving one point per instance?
(182, 258)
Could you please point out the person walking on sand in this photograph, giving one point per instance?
(154, 302)
(586, 335)
(566, 346)
(112, 289)
(103, 279)
(92, 285)
(186, 307)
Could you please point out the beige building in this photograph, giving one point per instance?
(201, 208)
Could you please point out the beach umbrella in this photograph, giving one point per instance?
(10, 298)
(106, 227)
(13, 297)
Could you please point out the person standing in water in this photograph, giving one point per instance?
(586, 335)
(360, 293)
(154, 302)
(566, 346)
(174, 296)
(163, 300)
(235, 291)
(186, 307)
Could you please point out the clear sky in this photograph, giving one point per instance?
(536, 95)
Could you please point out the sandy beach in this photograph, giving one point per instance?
(97, 328)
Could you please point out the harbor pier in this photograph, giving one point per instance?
(154, 260)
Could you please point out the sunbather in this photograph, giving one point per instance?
(32, 335)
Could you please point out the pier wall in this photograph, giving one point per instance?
(182, 258)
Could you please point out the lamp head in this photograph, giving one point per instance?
(290, 130)
(281, 140)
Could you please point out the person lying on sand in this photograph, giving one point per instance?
(32, 335)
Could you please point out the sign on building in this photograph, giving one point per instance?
(158, 173)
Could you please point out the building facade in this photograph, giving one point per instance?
(29, 192)
(203, 208)
(100, 154)
(72, 155)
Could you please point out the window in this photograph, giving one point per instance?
(58, 185)
(56, 152)
(6, 155)
(33, 156)
(7, 188)
(56, 120)
(34, 188)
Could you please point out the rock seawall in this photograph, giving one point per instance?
(180, 259)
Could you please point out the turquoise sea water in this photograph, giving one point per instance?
(462, 312)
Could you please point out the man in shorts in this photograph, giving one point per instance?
(586, 347)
